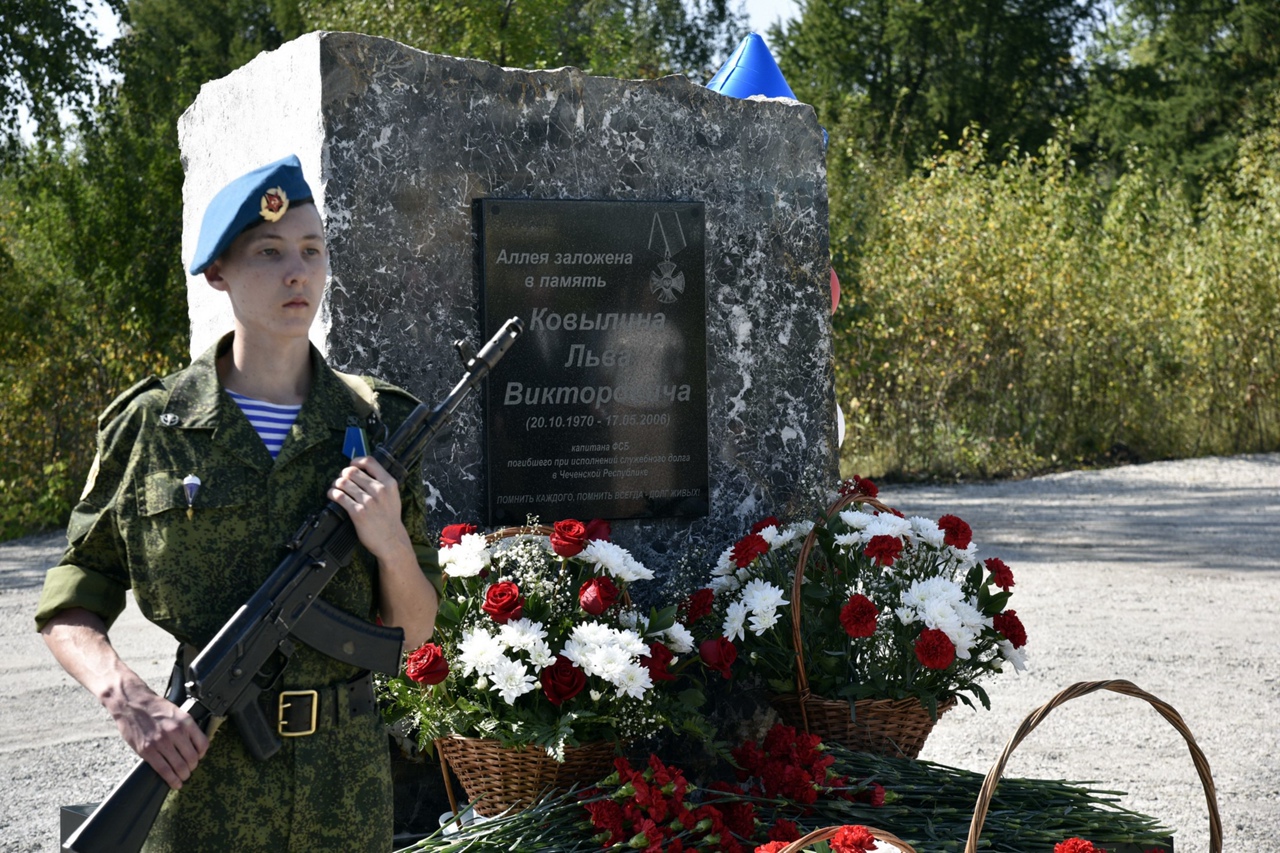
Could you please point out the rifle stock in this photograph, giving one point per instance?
(221, 678)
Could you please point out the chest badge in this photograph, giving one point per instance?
(190, 485)
(169, 419)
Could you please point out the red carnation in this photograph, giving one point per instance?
(427, 665)
(597, 595)
(657, 662)
(852, 839)
(956, 533)
(453, 533)
(718, 654)
(503, 602)
(883, 549)
(934, 649)
(598, 528)
(562, 681)
(771, 521)
(773, 847)
(1008, 624)
(748, 548)
(1076, 845)
(859, 615)
(856, 485)
(568, 537)
(1001, 575)
(698, 604)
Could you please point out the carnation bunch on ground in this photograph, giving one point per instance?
(537, 643)
(891, 607)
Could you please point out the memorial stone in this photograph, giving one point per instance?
(405, 149)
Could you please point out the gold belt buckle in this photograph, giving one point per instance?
(281, 722)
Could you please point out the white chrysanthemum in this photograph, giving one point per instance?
(762, 597)
(857, 519)
(930, 589)
(887, 524)
(608, 662)
(479, 652)
(724, 564)
(633, 619)
(679, 639)
(801, 528)
(907, 615)
(633, 681)
(511, 680)
(522, 634)
(592, 633)
(466, 559)
(1017, 657)
(735, 620)
(778, 538)
(967, 558)
(927, 530)
(616, 561)
(850, 540)
(724, 585)
(761, 622)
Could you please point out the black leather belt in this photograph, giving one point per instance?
(299, 713)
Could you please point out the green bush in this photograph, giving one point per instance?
(1018, 316)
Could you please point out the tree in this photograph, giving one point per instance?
(894, 74)
(1175, 78)
(622, 38)
(50, 62)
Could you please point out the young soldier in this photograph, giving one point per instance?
(200, 481)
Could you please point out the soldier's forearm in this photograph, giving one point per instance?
(78, 640)
(407, 600)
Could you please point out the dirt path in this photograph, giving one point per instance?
(1165, 574)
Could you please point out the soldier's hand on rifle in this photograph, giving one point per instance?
(371, 498)
(162, 733)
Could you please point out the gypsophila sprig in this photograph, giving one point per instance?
(891, 607)
(537, 644)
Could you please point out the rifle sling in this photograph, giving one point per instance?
(348, 638)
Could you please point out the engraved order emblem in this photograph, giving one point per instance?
(169, 419)
(667, 281)
(275, 204)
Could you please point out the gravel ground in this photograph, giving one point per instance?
(1165, 574)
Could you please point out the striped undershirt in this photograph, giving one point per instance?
(271, 421)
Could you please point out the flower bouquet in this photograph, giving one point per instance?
(537, 645)
(865, 612)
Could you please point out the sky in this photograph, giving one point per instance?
(763, 13)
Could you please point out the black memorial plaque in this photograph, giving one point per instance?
(600, 409)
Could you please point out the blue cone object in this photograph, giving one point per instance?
(750, 70)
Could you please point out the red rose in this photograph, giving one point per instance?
(771, 521)
(568, 537)
(934, 649)
(718, 654)
(748, 548)
(427, 665)
(598, 528)
(657, 661)
(858, 616)
(698, 604)
(1008, 624)
(597, 595)
(562, 681)
(883, 549)
(955, 532)
(453, 533)
(503, 602)
(852, 839)
(1001, 575)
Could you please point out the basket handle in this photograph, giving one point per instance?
(526, 530)
(802, 679)
(830, 832)
(1083, 688)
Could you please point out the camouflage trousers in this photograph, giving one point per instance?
(329, 791)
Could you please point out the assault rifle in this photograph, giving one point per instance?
(223, 680)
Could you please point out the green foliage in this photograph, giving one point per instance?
(620, 38)
(1018, 316)
(894, 74)
(1176, 79)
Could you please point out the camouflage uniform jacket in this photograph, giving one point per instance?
(190, 571)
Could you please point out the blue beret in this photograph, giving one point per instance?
(263, 194)
(750, 70)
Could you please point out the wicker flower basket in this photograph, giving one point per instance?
(1083, 688)
(499, 779)
(893, 727)
(830, 832)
